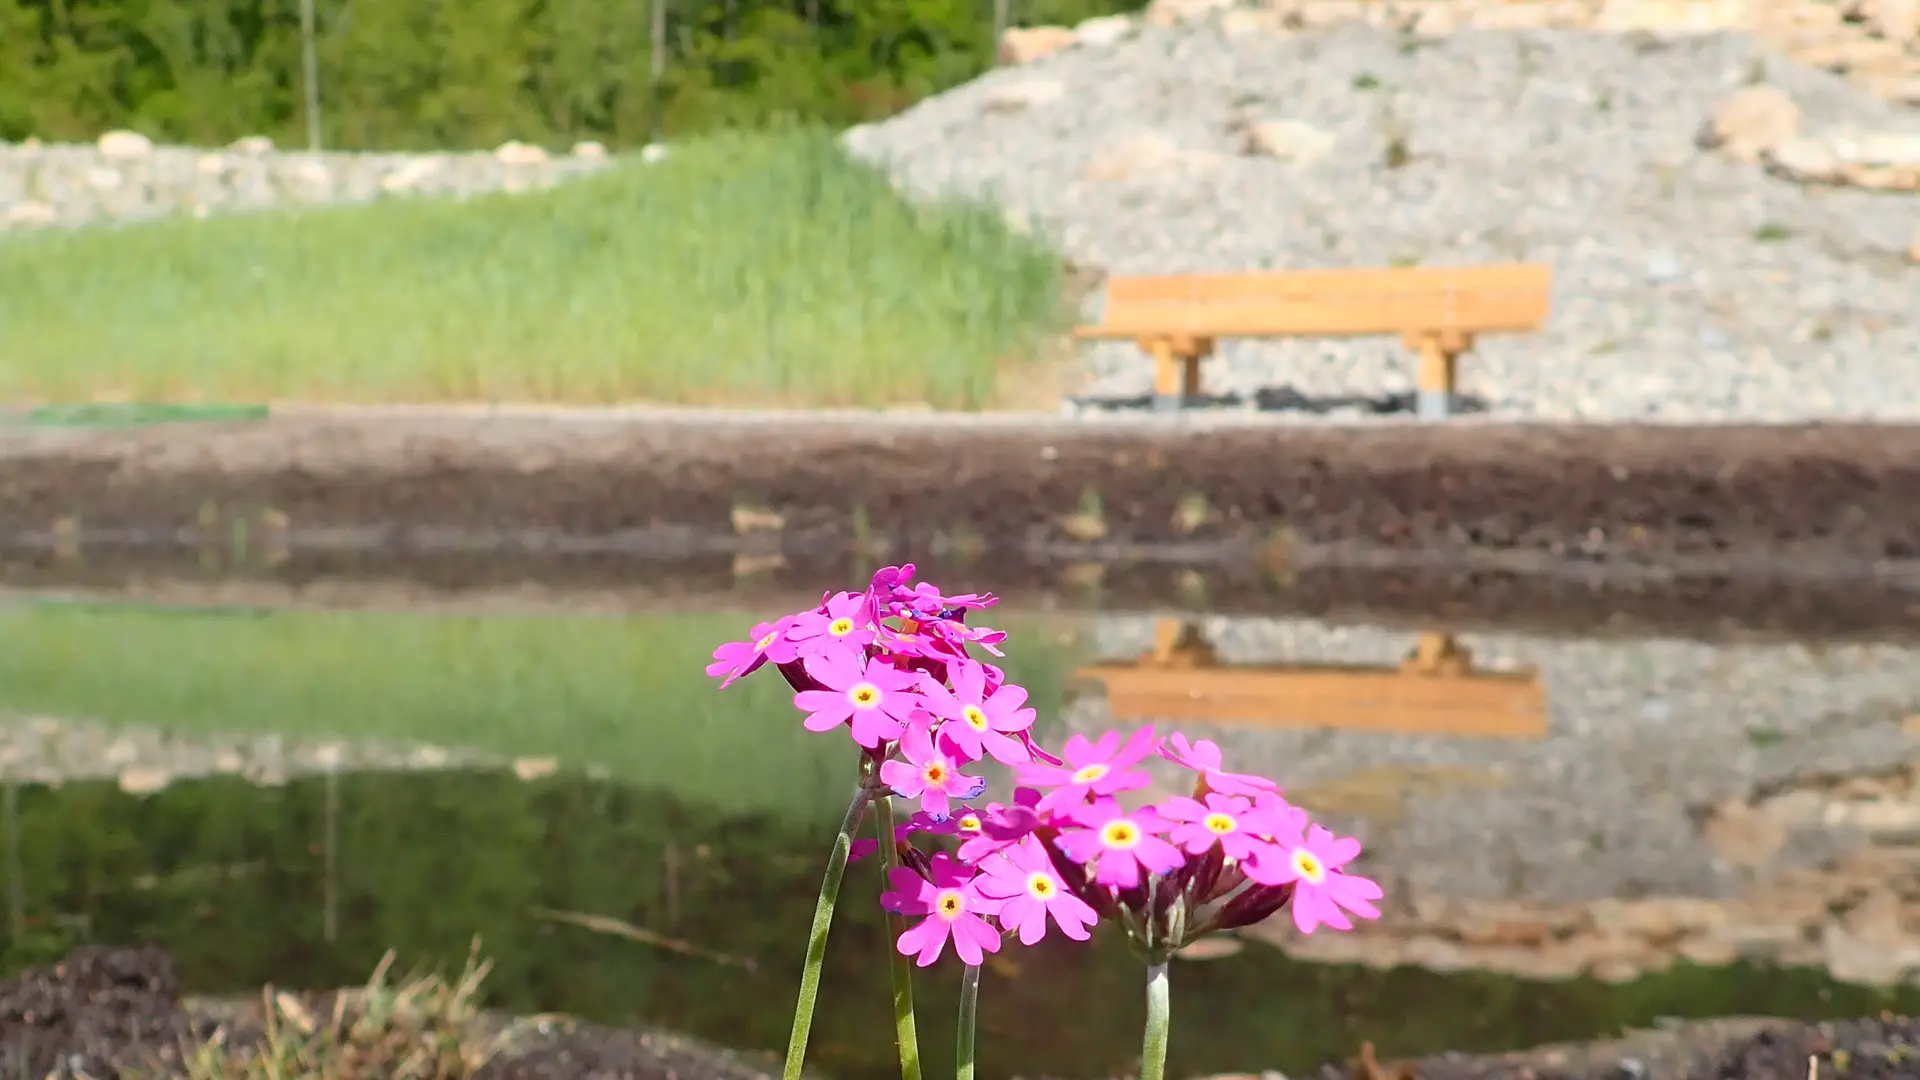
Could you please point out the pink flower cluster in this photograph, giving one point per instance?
(892, 666)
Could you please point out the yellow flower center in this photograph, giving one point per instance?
(950, 904)
(1087, 774)
(969, 823)
(935, 773)
(864, 695)
(1220, 824)
(976, 719)
(1041, 886)
(761, 645)
(840, 627)
(1120, 833)
(1308, 866)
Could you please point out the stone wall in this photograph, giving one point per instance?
(124, 176)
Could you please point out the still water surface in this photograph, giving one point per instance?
(311, 788)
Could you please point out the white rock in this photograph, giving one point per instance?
(513, 152)
(1897, 149)
(1170, 12)
(1023, 44)
(590, 149)
(1102, 30)
(1023, 94)
(31, 213)
(311, 172)
(104, 178)
(123, 145)
(409, 175)
(144, 780)
(1140, 152)
(653, 153)
(1289, 140)
(1897, 20)
(251, 145)
(1804, 159)
(1754, 120)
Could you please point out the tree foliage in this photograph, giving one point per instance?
(419, 74)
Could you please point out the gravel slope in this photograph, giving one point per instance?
(1687, 286)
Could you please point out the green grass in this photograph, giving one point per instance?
(626, 693)
(746, 268)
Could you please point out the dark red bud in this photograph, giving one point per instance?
(795, 672)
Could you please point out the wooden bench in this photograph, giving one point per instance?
(1435, 691)
(1436, 311)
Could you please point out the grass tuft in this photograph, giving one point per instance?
(422, 1028)
(745, 268)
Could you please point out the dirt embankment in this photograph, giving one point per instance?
(1582, 601)
(119, 1013)
(1810, 501)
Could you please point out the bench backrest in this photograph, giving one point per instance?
(1331, 303)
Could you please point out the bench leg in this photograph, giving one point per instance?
(1168, 382)
(1434, 397)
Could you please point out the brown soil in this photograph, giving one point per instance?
(118, 1013)
(106, 1014)
(1748, 1048)
(1595, 602)
(1813, 500)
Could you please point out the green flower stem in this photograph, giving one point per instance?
(963, 1033)
(817, 938)
(1153, 1048)
(904, 1031)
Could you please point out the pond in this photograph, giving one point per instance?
(283, 793)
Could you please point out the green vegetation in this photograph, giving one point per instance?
(625, 693)
(760, 268)
(233, 880)
(429, 74)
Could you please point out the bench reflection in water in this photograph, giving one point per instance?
(1434, 691)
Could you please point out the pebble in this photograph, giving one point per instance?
(1689, 285)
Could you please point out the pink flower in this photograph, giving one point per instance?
(950, 899)
(980, 720)
(861, 848)
(924, 599)
(1119, 845)
(1094, 768)
(843, 624)
(1310, 861)
(1030, 890)
(965, 823)
(929, 772)
(1203, 757)
(1227, 820)
(887, 582)
(737, 659)
(1273, 816)
(873, 696)
(1000, 826)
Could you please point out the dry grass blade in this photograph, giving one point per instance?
(420, 1028)
(603, 924)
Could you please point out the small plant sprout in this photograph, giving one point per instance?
(900, 670)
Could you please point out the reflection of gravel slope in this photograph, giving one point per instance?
(143, 760)
(1687, 285)
(1641, 734)
(1761, 777)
